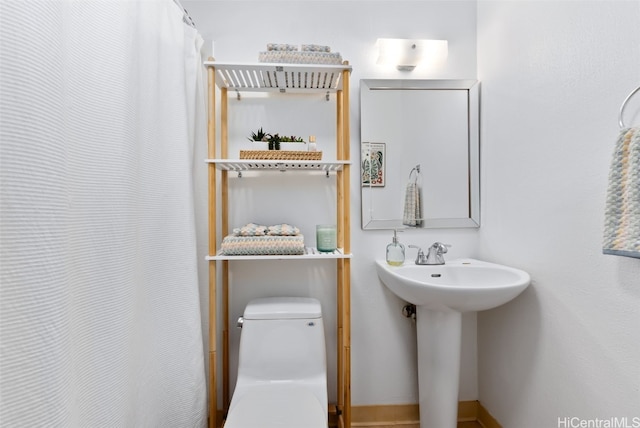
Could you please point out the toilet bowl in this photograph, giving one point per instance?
(282, 369)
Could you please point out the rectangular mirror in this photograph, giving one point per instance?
(420, 153)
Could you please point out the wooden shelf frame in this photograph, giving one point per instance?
(281, 78)
(239, 165)
(309, 253)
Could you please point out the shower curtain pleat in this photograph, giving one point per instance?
(100, 319)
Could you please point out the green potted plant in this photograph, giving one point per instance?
(292, 143)
(291, 139)
(259, 135)
(274, 141)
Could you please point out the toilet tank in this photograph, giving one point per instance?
(282, 339)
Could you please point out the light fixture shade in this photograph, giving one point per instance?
(406, 54)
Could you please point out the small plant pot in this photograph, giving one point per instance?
(289, 146)
(274, 145)
(256, 145)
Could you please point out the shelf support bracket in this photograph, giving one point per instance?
(238, 95)
(328, 97)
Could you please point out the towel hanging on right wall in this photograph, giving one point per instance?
(622, 213)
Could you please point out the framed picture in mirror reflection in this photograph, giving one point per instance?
(372, 164)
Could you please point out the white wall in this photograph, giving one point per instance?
(383, 342)
(554, 75)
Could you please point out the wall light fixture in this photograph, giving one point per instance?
(406, 54)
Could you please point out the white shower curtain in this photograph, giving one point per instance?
(99, 309)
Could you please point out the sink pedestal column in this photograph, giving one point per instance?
(439, 336)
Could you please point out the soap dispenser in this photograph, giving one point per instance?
(395, 251)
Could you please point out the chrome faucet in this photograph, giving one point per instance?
(421, 259)
(433, 257)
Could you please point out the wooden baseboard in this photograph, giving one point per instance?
(406, 416)
(485, 418)
(373, 416)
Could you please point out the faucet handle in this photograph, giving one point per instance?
(420, 258)
(436, 251)
(440, 247)
(417, 248)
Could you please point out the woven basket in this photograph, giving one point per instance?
(280, 155)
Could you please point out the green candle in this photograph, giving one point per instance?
(326, 237)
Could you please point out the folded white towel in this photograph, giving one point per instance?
(316, 48)
(622, 213)
(296, 57)
(281, 47)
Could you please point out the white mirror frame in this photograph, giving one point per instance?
(472, 88)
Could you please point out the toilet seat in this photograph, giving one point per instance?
(277, 406)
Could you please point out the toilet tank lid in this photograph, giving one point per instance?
(279, 308)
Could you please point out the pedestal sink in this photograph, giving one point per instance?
(441, 293)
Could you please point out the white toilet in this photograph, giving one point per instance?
(282, 367)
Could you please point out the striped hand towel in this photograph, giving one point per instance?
(622, 213)
(412, 215)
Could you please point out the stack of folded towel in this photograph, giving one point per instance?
(315, 48)
(308, 54)
(281, 47)
(254, 239)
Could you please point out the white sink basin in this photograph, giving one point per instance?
(461, 285)
(441, 293)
